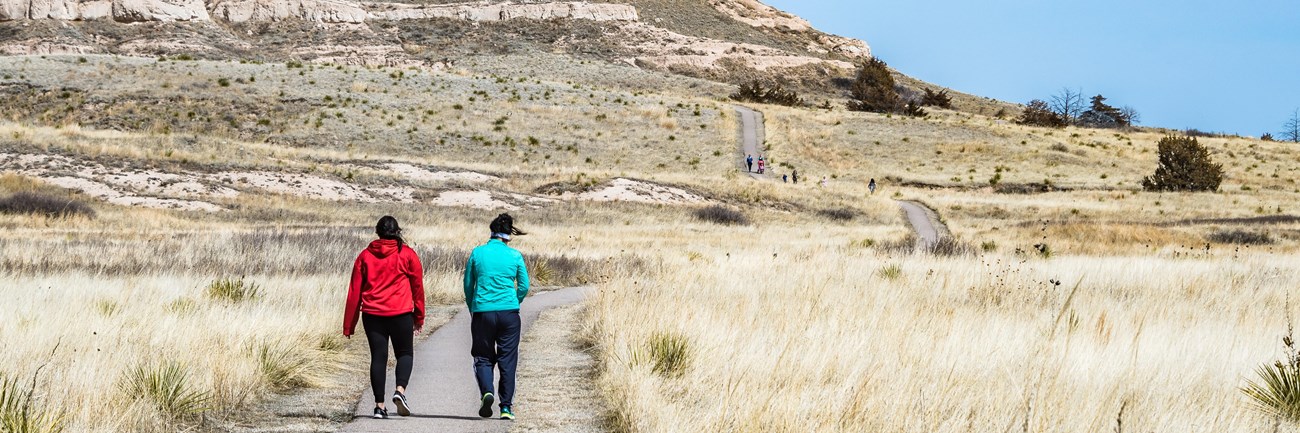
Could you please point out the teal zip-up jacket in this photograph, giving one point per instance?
(495, 278)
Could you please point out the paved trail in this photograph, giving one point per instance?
(443, 393)
(925, 222)
(750, 124)
(926, 225)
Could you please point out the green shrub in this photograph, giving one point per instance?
(1185, 165)
(167, 388)
(233, 291)
(874, 90)
(1038, 113)
(936, 99)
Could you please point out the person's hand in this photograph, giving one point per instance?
(418, 330)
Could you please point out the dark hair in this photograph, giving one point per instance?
(505, 223)
(387, 228)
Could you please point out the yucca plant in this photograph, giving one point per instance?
(233, 290)
(166, 385)
(670, 353)
(284, 367)
(18, 413)
(1277, 392)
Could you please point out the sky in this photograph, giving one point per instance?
(1217, 66)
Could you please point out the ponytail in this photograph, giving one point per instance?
(388, 229)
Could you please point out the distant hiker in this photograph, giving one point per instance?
(872, 185)
(496, 282)
(824, 181)
(749, 163)
(761, 163)
(387, 291)
(794, 176)
(785, 178)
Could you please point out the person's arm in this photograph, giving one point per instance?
(521, 279)
(470, 282)
(417, 289)
(352, 309)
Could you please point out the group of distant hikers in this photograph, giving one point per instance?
(794, 173)
(387, 294)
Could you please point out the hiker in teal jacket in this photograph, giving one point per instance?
(496, 282)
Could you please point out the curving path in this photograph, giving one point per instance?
(443, 393)
(925, 222)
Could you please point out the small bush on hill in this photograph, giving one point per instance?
(756, 91)
(1185, 165)
(950, 247)
(874, 90)
(914, 109)
(41, 204)
(719, 214)
(1240, 237)
(1102, 115)
(937, 99)
(840, 214)
(1037, 113)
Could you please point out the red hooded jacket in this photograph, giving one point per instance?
(385, 282)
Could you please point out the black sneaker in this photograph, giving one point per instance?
(485, 407)
(403, 408)
(381, 413)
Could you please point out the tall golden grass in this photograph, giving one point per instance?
(827, 338)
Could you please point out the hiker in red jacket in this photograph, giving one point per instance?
(387, 292)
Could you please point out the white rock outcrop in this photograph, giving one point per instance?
(119, 10)
(483, 12)
(324, 11)
(159, 10)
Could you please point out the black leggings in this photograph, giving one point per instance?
(379, 330)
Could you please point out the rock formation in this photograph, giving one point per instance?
(323, 11)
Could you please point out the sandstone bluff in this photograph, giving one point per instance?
(324, 11)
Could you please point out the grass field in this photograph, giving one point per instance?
(815, 316)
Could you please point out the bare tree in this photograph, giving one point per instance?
(1068, 103)
(1131, 114)
(1291, 130)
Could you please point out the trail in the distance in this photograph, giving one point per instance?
(924, 221)
(750, 123)
(443, 393)
(925, 224)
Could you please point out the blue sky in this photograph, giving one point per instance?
(1213, 65)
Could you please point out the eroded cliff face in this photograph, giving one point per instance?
(322, 11)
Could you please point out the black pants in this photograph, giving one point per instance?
(379, 330)
(496, 344)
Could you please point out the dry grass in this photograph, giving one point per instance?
(827, 339)
(816, 316)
